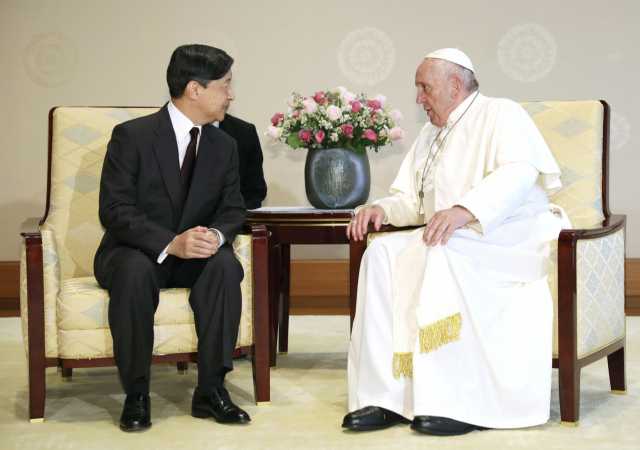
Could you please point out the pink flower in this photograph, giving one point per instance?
(304, 135)
(374, 104)
(309, 105)
(297, 114)
(273, 133)
(355, 107)
(319, 136)
(320, 98)
(276, 118)
(394, 115)
(347, 130)
(333, 112)
(396, 133)
(342, 89)
(369, 134)
(381, 98)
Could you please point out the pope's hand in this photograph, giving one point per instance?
(357, 228)
(444, 223)
(197, 242)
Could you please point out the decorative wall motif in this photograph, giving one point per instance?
(50, 59)
(620, 131)
(366, 56)
(527, 52)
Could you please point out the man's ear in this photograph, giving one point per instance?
(191, 90)
(456, 86)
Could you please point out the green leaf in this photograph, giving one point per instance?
(294, 141)
(360, 148)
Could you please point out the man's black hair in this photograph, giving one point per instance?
(196, 62)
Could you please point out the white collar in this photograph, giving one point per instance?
(182, 125)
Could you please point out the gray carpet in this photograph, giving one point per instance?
(308, 401)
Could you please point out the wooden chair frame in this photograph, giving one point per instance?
(38, 362)
(568, 363)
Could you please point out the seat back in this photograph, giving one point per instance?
(78, 138)
(575, 133)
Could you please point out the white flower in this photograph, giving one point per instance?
(347, 97)
(334, 137)
(333, 112)
(394, 115)
(342, 89)
(309, 105)
(291, 102)
(273, 132)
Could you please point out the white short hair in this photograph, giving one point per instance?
(449, 69)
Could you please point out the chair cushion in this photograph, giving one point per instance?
(84, 305)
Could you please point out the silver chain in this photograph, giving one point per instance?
(427, 167)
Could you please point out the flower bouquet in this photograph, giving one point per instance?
(337, 127)
(336, 118)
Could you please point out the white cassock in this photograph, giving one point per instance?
(496, 164)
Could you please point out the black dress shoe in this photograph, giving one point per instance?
(372, 418)
(441, 426)
(218, 405)
(136, 414)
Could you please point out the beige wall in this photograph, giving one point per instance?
(117, 53)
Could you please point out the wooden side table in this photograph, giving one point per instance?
(287, 226)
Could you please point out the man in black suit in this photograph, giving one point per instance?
(171, 205)
(252, 184)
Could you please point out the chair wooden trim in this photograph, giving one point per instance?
(38, 362)
(568, 363)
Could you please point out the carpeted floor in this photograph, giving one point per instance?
(308, 401)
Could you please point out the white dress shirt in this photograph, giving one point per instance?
(182, 125)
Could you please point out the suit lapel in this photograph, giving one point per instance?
(207, 168)
(166, 149)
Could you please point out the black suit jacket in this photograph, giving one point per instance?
(140, 188)
(252, 184)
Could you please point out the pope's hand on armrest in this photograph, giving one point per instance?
(357, 228)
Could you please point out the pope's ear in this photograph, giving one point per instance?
(456, 86)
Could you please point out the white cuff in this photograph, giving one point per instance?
(163, 255)
(221, 238)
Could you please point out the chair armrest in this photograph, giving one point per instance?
(568, 279)
(30, 226)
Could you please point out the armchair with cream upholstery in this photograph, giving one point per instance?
(64, 310)
(587, 263)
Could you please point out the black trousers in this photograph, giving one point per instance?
(134, 282)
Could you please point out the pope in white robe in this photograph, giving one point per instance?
(453, 325)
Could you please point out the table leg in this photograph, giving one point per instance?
(284, 306)
(274, 297)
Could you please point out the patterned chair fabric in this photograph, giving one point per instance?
(573, 131)
(76, 324)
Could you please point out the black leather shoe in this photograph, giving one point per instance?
(372, 418)
(136, 414)
(219, 406)
(441, 426)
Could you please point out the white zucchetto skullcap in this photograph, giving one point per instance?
(454, 55)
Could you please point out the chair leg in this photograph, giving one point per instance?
(617, 375)
(183, 368)
(569, 381)
(284, 307)
(37, 390)
(67, 373)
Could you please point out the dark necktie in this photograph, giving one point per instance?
(189, 162)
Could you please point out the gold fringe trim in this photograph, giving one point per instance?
(402, 365)
(437, 334)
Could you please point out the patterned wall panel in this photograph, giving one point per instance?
(600, 288)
